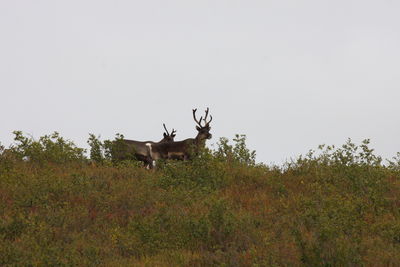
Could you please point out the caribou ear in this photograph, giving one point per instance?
(198, 128)
(165, 135)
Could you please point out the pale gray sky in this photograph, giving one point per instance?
(289, 74)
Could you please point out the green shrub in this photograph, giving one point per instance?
(394, 164)
(49, 148)
(96, 148)
(237, 153)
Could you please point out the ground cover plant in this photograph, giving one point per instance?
(336, 206)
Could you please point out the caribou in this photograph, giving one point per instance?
(185, 149)
(132, 149)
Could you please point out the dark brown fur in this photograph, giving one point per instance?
(183, 150)
(138, 150)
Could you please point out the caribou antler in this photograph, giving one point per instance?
(194, 117)
(166, 129)
(208, 123)
(205, 118)
(173, 132)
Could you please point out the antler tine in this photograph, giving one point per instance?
(207, 110)
(205, 118)
(209, 120)
(194, 117)
(165, 129)
(173, 131)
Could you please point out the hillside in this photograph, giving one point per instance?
(337, 206)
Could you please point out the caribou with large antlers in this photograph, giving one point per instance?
(186, 148)
(131, 149)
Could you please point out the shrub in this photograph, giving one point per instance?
(49, 148)
(96, 148)
(394, 164)
(116, 150)
(238, 153)
(111, 151)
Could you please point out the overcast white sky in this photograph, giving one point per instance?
(289, 74)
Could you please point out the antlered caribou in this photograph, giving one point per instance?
(186, 148)
(132, 149)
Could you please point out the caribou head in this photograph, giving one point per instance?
(203, 130)
(167, 136)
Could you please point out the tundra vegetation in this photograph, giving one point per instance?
(336, 206)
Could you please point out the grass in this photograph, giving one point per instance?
(334, 207)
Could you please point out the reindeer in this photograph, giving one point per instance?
(184, 149)
(131, 149)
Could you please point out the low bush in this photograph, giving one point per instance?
(331, 207)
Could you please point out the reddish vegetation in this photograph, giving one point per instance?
(334, 208)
